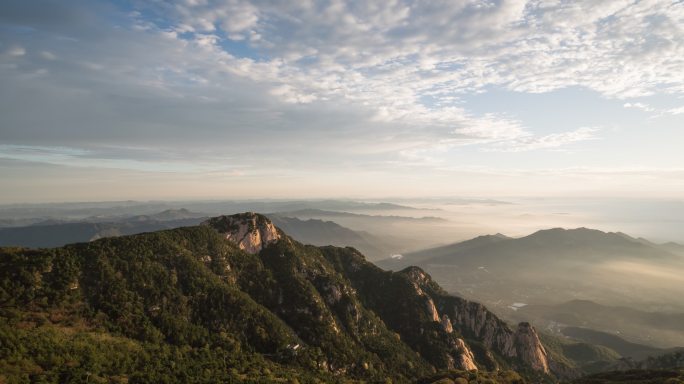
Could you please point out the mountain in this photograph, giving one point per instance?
(556, 265)
(675, 248)
(635, 376)
(235, 299)
(324, 213)
(167, 215)
(416, 258)
(26, 214)
(546, 245)
(584, 357)
(614, 342)
(401, 233)
(322, 232)
(605, 365)
(55, 233)
(661, 329)
(670, 360)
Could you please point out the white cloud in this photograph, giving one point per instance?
(16, 51)
(655, 112)
(640, 106)
(326, 83)
(676, 111)
(48, 55)
(389, 56)
(552, 141)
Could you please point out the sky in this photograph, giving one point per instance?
(112, 100)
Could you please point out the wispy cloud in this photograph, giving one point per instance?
(552, 141)
(315, 85)
(132, 159)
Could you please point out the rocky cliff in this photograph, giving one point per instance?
(250, 231)
(476, 322)
(410, 300)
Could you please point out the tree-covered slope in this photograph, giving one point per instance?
(189, 305)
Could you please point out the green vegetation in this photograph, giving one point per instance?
(587, 358)
(473, 377)
(185, 305)
(143, 308)
(637, 376)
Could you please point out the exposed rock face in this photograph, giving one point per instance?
(446, 324)
(467, 359)
(476, 321)
(431, 309)
(418, 278)
(530, 349)
(250, 231)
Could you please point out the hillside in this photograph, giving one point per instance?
(556, 265)
(662, 329)
(236, 299)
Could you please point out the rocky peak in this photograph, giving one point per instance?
(417, 275)
(446, 324)
(250, 231)
(420, 279)
(476, 321)
(467, 358)
(530, 348)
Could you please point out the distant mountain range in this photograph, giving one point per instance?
(557, 265)
(546, 278)
(46, 235)
(402, 233)
(321, 232)
(341, 214)
(612, 341)
(55, 233)
(551, 245)
(26, 214)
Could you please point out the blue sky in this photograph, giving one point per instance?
(232, 99)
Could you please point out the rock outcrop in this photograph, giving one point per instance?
(446, 324)
(476, 321)
(251, 232)
(467, 359)
(530, 349)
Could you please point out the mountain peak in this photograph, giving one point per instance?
(251, 231)
(530, 348)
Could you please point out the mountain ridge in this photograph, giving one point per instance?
(555, 265)
(300, 307)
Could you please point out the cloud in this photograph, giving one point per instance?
(655, 112)
(16, 51)
(531, 46)
(640, 106)
(133, 159)
(676, 111)
(313, 85)
(552, 141)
